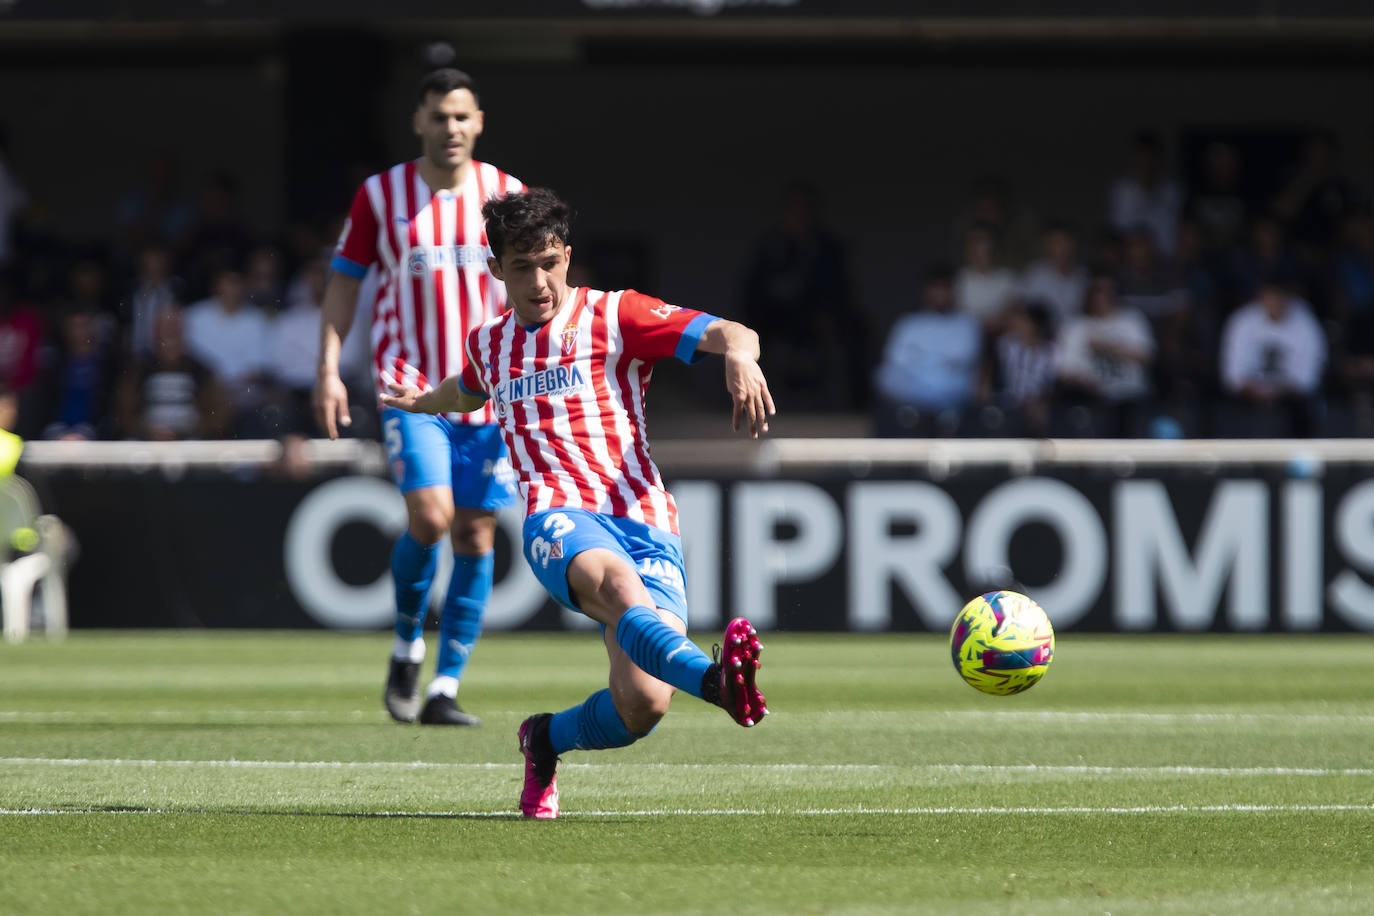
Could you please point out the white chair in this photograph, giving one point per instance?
(41, 572)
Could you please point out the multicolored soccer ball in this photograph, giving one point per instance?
(1002, 643)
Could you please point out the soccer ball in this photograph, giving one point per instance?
(1002, 643)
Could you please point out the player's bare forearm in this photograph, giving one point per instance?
(330, 397)
(752, 401)
(336, 318)
(448, 397)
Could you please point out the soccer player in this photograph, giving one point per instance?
(566, 370)
(421, 223)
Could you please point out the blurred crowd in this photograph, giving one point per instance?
(1227, 309)
(185, 325)
(1224, 308)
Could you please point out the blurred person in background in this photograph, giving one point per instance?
(293, 351)
(1268, 254)
(1146, 195)
(1218, 207)
(1317, 197)
(168, 395)
(155, 290)
(993, 203)
(1273, 355)
(218, 236)
(1022, 377)
(930, 368)
(1104, 357)
(797, 294)
(1058, 279)
(76, 385)
(1352, 297)
(1151, 284)
(263, 278)
(229, 335)
(420, 223)
(983, 287)
(12, 199)
(21, 341)
(156, 212)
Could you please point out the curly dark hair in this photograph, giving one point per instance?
(526, 221)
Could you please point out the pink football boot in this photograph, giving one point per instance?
(540, 796)
(739, 662)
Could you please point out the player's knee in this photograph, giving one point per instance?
(430, 522)
(473, 535)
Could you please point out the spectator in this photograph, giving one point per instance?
(21, 339)
(993, 204)
(170, 395)
(1218, 208)
(983, 288)
(1104, 358)
(1147, 281)
(158, 213)
(1145, 195)
(1058, 279)
(219, 237)
(1025, 369)
(293, 350)
(1267, 255)
(263, 278)
(77, 385)
(12, 199)
(229, 335)
(1318, 197)
(1273, 352)
(155, 291)
(797, 295)
(930, 366)
(1352, 295)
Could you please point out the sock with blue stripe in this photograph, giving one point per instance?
(591, 725)
(412, 570)
(660, 650)
(464, 606)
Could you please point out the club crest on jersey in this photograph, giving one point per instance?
(569, 340)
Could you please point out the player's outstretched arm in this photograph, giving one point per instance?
(330, 397)
(753, 403)
(448, 397)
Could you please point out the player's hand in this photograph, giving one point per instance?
(404, 397)
(330, 400)
(753, 403)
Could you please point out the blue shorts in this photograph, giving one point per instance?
(430, 451)
(553, 537)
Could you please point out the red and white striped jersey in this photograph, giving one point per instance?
(431, 249)
(569, 397)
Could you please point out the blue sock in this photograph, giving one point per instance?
(660, 650)
(464, 606)
(591, 725)
(412, 569)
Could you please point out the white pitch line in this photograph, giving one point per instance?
(744, 812)
(248, 716)
(1029, 768)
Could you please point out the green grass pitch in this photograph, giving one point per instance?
(257, 773)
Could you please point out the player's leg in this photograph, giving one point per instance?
(418, 449)
(482, 483)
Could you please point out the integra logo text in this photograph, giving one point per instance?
(552, 382)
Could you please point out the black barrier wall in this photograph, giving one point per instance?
(1108, 547)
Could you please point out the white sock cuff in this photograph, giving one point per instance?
(407, 650)
(444, 684)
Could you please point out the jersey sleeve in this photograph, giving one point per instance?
(357, 247)
(652, 329)
(468, 380)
